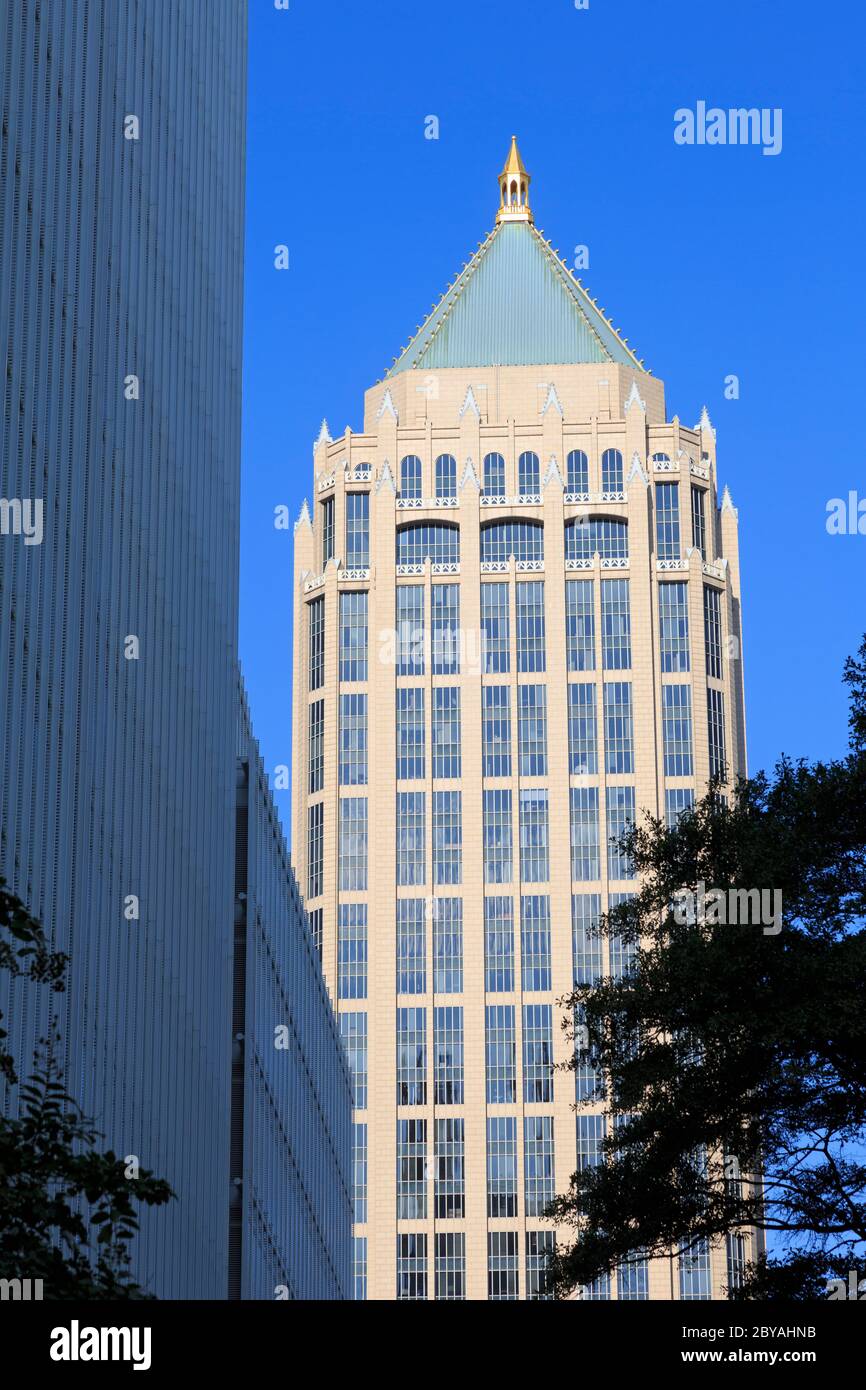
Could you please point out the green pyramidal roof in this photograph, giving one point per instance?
(515, 305)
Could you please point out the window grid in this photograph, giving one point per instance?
(529, 606)
(606, 535)
(449, 1197)
(582, 730)
(411, 818)
(537, 1053)
(327, 530)
(713, 631)
(586, 943)
(611, 471)
(352, 951)
(494, 628)
(450, 1266)
(585, 848)
(699, 524)
(534, 835)
(411, 1056)
(501, 1166)
(447, 945)
(494, 475)
(316, 612)
(353, 1031)
(357, 530)
(410, 733)
(498, 945)
(410, 630)
(677, 730)
(528, 475)
(540, 1246)
(502, 539)
(667, 521)
(445, 629)
(445, 731)
(353, 844)
(411, 946)
(535, 942)
(411, 1170)
(674, 627)
(716, 729)
(437, 541)
(447, 837)
(538, 1171)
(315, 849)
(620, 814)
(496, 731)
(412, 1266)
(580, 624)
(497, 836)
(677, 799)
(359, 1173)
(502, 1274)
(618, 727)
(577, 469)
(353, 635)
(532, 730)
(500, 1054)
(616, 624)
(316, 747)
(446, 476)
(448, 1054)
(410, 477)
(353, 740)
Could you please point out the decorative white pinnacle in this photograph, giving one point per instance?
(324, 434)
(552, 400)
(386, 406)
(705, 423)
(553, 473)
(634, 398)
(386, 478)
(470, 475)
(304, 518)
(728, 501)
(636, 471)
(470, 403)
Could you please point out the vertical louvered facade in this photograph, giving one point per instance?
(121, 248)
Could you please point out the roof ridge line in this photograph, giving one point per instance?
(572, 284)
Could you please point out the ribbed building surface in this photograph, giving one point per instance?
(121, 250)
(290, 1222)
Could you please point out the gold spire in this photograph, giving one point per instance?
(514, 184)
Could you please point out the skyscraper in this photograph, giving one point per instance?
(517, 617)
(121, 247)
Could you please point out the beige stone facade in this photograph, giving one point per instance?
(557, 414)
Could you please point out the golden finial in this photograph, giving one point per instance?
(514, 184)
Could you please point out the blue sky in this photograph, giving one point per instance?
(712, 260)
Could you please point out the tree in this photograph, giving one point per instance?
(67, 1211)
(733, 1052)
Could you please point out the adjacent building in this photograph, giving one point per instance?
(517, 608)
(290, 1217)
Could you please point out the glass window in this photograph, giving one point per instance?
(317, 929)
(577, 465)
(695, 1280)
(445, 629)
(699, 522)
(633, 1281)
(498, 857)
(315, 849)
(585, 938)
(502, 1275)
(528, 475)
(674, 626)
(447, 945)
(582, 730)
(446, 477)
(713, 631)
(677, 799)
(448, 1055)
(498, 945)
(494, 475)
(532, 730)
(359, 1173)
(586, 535)
(502, 539)
(496, 731)
(580, 624)
(352, 951)
(353, 843)
(611, 471)
(623, 954)
(411, 946)
(353, 1031)
(316, 611)
(410, 838)
(537, 1052)
(353, 635)
(410, 732)
(445, 733)
(584, 834)
(438, 541)
(677, 730)
(410, 630)
(359, 1266)
(615, 624)
(618, 731)
(316, 760)
(529, 605)
(716, 726)
(450, 1194)
(538, 1174)
(410, 477)
(450, 1263)
(353, 740)
(327, 530)
(500, 1054)
(412, 1266)
(357, 530)
(540, 1246)
(620, 815)
(667, 521)
(411, 1170)
(501, 1166)
(535, 941)
(494, 628)
(411, 1056)
(447, 837)
(534, 835)
(591, 1131)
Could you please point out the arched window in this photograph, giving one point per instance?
(528, 481)
(446, 476)
(611, 471)
(578, 472)
(522, 539)
(586, 535)
(438, 541)
(494, 475)
(660, 458)
(410, 476)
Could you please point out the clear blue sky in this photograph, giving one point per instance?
(712, 260)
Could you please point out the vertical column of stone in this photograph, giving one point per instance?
(304, 567)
